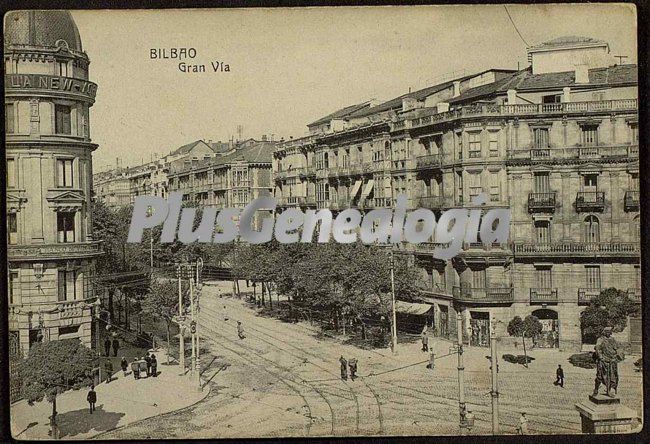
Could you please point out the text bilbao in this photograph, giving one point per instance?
(384, 225)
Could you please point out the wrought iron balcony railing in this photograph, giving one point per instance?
(429, 161)
(431, 202)
(485, 295)
(543, 295)
(576, 248)
(590, 201)
(541, 202)
(585, 295)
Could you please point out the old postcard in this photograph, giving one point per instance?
(324, 221)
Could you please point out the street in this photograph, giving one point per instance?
(283, 380)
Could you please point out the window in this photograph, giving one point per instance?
(554, 98)
(62, 69)
(12, 228)
(62, 122)
(542, 232)
(540, 138)
(478, 278)
(495, 193)
(459, 137)
(593, 276)
(474, 185)
(65, 227)
(13, 287)
(590, 182)
(460, 188)
(543, 277)
(10, 118)
(494, 143)
(12, 181)
(68, 330)
(634, 132)
(64, 173)
(67, 285)
(590, 135)
(326, 163)
(541, 182)
(591, 229)
(474, 145)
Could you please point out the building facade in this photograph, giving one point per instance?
(559, 147)
(51, 249)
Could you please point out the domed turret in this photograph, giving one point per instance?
(41, 28)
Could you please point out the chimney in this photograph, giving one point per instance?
(512, 97)
(566, 94)
(582, 73)
(442, 107)
(456, 88)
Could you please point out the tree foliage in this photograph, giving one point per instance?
(609, 309)
(54, 367)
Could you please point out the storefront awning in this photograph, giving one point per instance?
(367, 189)
(355, 189)
(411, 308)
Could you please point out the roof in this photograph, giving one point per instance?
(412, 308)
(341, 113)
(567, 41)
(258, 152)
(41, 28)
(185, 148)
(502, 84)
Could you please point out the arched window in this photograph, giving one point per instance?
(591, 229)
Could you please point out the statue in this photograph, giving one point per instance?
(607, 356)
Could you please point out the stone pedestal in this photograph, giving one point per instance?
(603, 414)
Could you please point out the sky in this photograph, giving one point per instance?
(289, 67)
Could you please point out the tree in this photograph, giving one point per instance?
(53, 367)
(526, 328)
(162, 302)
(610, 308)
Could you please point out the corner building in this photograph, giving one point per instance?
(557, 143)
(51, 250)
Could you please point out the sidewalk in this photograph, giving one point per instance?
(123, 401)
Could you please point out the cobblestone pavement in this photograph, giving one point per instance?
(281, 380)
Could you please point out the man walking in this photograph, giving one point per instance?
(116, 346)
(425, 340)
(108, 367)
(107, 347)
(154, 366)
(559, 376)
(522, 428)
(135, 368)
(344, 368)
(92, 398)
(124, 364)
(353, 368)
(240, 330)
(147, 359)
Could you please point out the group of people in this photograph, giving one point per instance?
(147, 365)
(107, 346)
(350, 366)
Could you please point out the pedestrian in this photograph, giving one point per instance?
(522, 428)
(353, 368)
(107, 346)
(344, 368)
(147, 359)
(108, 366)
(432, 360)
(116, 346)
(240, 330)
(154, 366)
(124, 364)
(425, 340)
(559, 376)
(92, 398)
(135, 368)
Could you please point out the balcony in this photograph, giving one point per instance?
(585, 295)
(577, 153)
(541, 202)
(307, 172)
(631, 201)
(429, 161)
(591, 249)
(280, 175)
(54, 251)
(590, 201)
(486, 295)
(543, 296)
(431, 202)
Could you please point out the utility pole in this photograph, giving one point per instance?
(495, 383)
(394, 314)
(461, 376)
(192, 331)
(199, 267)
(181, 352)
(151, 251)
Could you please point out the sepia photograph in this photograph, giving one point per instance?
(314, 222)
